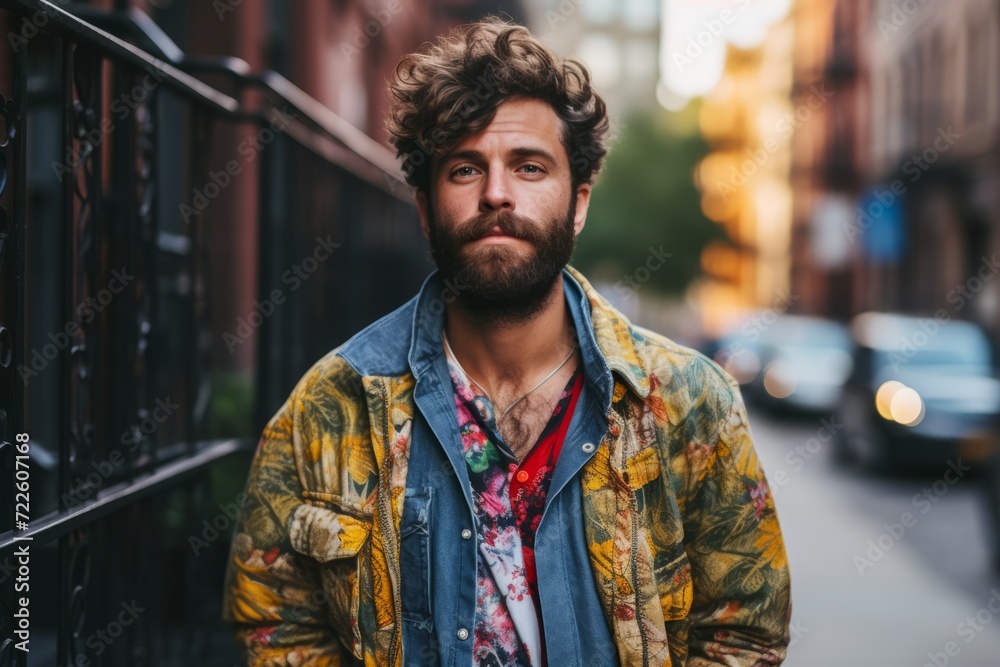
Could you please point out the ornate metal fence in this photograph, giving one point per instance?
(116, 523)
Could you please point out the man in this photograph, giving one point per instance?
(504, 471)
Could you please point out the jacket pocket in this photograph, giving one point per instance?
(641, 468)
(416, 558)
(335, 540)
(634, 450)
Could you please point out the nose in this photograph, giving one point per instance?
(497, 193)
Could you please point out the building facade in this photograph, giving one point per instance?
(619, 42)
(744, 180)
(905, 167)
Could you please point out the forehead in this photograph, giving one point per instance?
(518, 122)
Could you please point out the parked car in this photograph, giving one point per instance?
(805, 362)
(922, 392)
(788, 362)
(738, 354)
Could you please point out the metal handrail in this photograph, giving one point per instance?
(125, 494)
(94, 24)
(124, 52)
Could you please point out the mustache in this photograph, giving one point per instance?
(508, 222)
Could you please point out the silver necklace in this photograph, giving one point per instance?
(480, 384)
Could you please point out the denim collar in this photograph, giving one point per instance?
(606, 343)
(408, 340)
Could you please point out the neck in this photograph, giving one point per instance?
(511, 354)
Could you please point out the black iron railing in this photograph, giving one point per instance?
(111, 257)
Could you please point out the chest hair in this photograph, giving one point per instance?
(521, 426)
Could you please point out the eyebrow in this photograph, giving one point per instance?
(520, 152)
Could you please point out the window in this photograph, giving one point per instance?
(602, 55)
(600, 12)
(641, 15)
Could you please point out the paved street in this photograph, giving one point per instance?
(917, 594)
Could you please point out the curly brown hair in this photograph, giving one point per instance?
(446, 91)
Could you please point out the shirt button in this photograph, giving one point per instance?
(522, 476)
(466, 534)
(588, 447)
(462, 633)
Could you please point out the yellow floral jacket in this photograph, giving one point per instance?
(684, 542)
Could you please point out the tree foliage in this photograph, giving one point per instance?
(645, 204)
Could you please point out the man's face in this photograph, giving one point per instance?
(502, 217)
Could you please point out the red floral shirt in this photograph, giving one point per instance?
(508, 502)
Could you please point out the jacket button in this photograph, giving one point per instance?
(522, 476)
(466, 534)
(588, 447)
(462, 633)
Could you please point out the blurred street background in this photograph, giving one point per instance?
(198, 200)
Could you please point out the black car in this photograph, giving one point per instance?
(922, 392)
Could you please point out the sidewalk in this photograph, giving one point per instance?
(900, 612)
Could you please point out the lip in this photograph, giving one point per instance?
(495, 235)
(501, 240)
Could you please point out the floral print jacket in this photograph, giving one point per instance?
(683, 538)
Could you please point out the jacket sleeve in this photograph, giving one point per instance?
(274, 601)
(741, 606)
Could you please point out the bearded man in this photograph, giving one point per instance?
(505, 471)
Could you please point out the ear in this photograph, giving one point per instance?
(424, 211)
(582, 202)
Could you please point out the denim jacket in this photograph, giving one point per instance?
(660, 517)
(438, 532)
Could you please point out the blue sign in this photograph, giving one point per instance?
(881, 222)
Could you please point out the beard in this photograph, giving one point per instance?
(500, 284)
